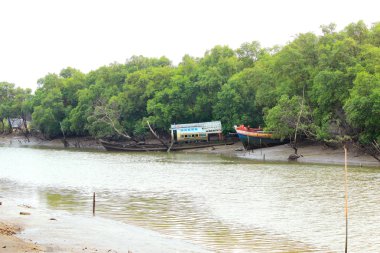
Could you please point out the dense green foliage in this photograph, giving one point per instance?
(14, 103)
(327, 85)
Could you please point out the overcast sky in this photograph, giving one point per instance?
(44, 36)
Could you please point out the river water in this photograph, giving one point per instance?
(218, 203)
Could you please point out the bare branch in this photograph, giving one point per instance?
(157, 137)
(104, 114)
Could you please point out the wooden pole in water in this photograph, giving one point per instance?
(93, 205)
(346, 196)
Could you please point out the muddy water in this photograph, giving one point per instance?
(217, 203)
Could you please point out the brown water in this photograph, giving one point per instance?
(220, 204)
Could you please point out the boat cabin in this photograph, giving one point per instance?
(191, 133)
(204, 131)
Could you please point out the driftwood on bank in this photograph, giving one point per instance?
(158, 137)
(373, 150)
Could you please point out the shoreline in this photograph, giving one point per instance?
(11, 228)
(44, 230)
(10, 243)
(15, 235)
(73, 143)
(313, 153)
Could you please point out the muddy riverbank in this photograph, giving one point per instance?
(310, 152)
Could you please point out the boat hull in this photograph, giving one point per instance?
(113, 146)
(253, 139)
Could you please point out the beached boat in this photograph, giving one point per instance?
(256, 138)
(143, 147)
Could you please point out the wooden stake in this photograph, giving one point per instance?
(93, 205)
(346, 196)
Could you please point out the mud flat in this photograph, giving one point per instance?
(25, 228)
(9, 242)
(311, 153)
(75, 143)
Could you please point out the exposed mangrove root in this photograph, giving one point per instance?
(294, 157)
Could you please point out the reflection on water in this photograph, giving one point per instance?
(172, 214)
(222, 204)
(63, 200)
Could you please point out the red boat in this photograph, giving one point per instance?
(256, 137)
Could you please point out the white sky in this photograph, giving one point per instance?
(38, 37)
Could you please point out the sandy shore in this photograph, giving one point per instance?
(56, 231)
(15, 218)
(311, 153)
(10, 228)
(9, 243)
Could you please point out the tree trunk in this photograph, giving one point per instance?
(10, 130)
(2, 125)
(26, 132)
(65, 142)
(294, 146)
(23, 117)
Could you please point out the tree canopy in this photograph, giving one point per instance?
(335, 75)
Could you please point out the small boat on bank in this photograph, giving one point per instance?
(253, 138)
(143, 147)
(183, 136)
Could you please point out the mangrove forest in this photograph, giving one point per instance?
(327, 86)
